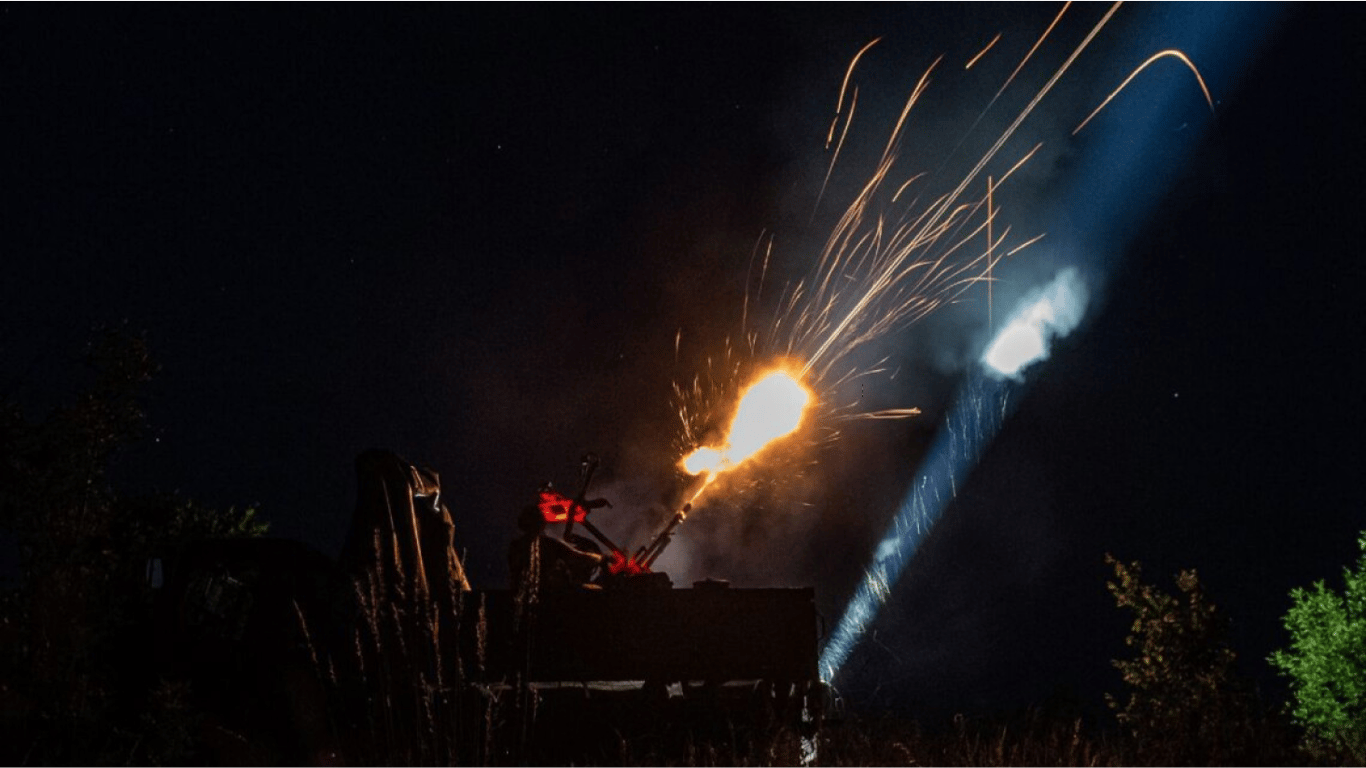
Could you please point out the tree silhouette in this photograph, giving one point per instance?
(78, 685)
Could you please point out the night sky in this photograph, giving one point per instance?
(474, 236)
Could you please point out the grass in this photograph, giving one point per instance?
(399, 691)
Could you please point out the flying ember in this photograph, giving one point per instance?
(771, 408)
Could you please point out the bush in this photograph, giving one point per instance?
(1326, 664)
(1185, 704)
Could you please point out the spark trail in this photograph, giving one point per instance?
(883, 267)
(1112, 186)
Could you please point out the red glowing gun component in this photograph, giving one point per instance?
(622, 564)
(558, 508)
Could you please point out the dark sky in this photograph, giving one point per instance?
(471, 235)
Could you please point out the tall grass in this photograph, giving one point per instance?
(400, 688)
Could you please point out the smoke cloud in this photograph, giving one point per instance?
(1050, 312)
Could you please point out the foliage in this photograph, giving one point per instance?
(163, 520)
(1326, 663)
(73, 658)
(1185, 702)
(169, 724)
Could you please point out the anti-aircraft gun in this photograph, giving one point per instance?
(632, 635)
(284, 649)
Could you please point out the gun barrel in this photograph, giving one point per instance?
(656, 547)
(586, 470)
(600, 536)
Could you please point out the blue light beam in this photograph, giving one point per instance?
(1129, 158)
(980, 409)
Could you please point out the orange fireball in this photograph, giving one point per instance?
(771, 408)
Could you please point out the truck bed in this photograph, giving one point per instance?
(665, 635)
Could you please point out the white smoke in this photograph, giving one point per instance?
(1043, 315)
